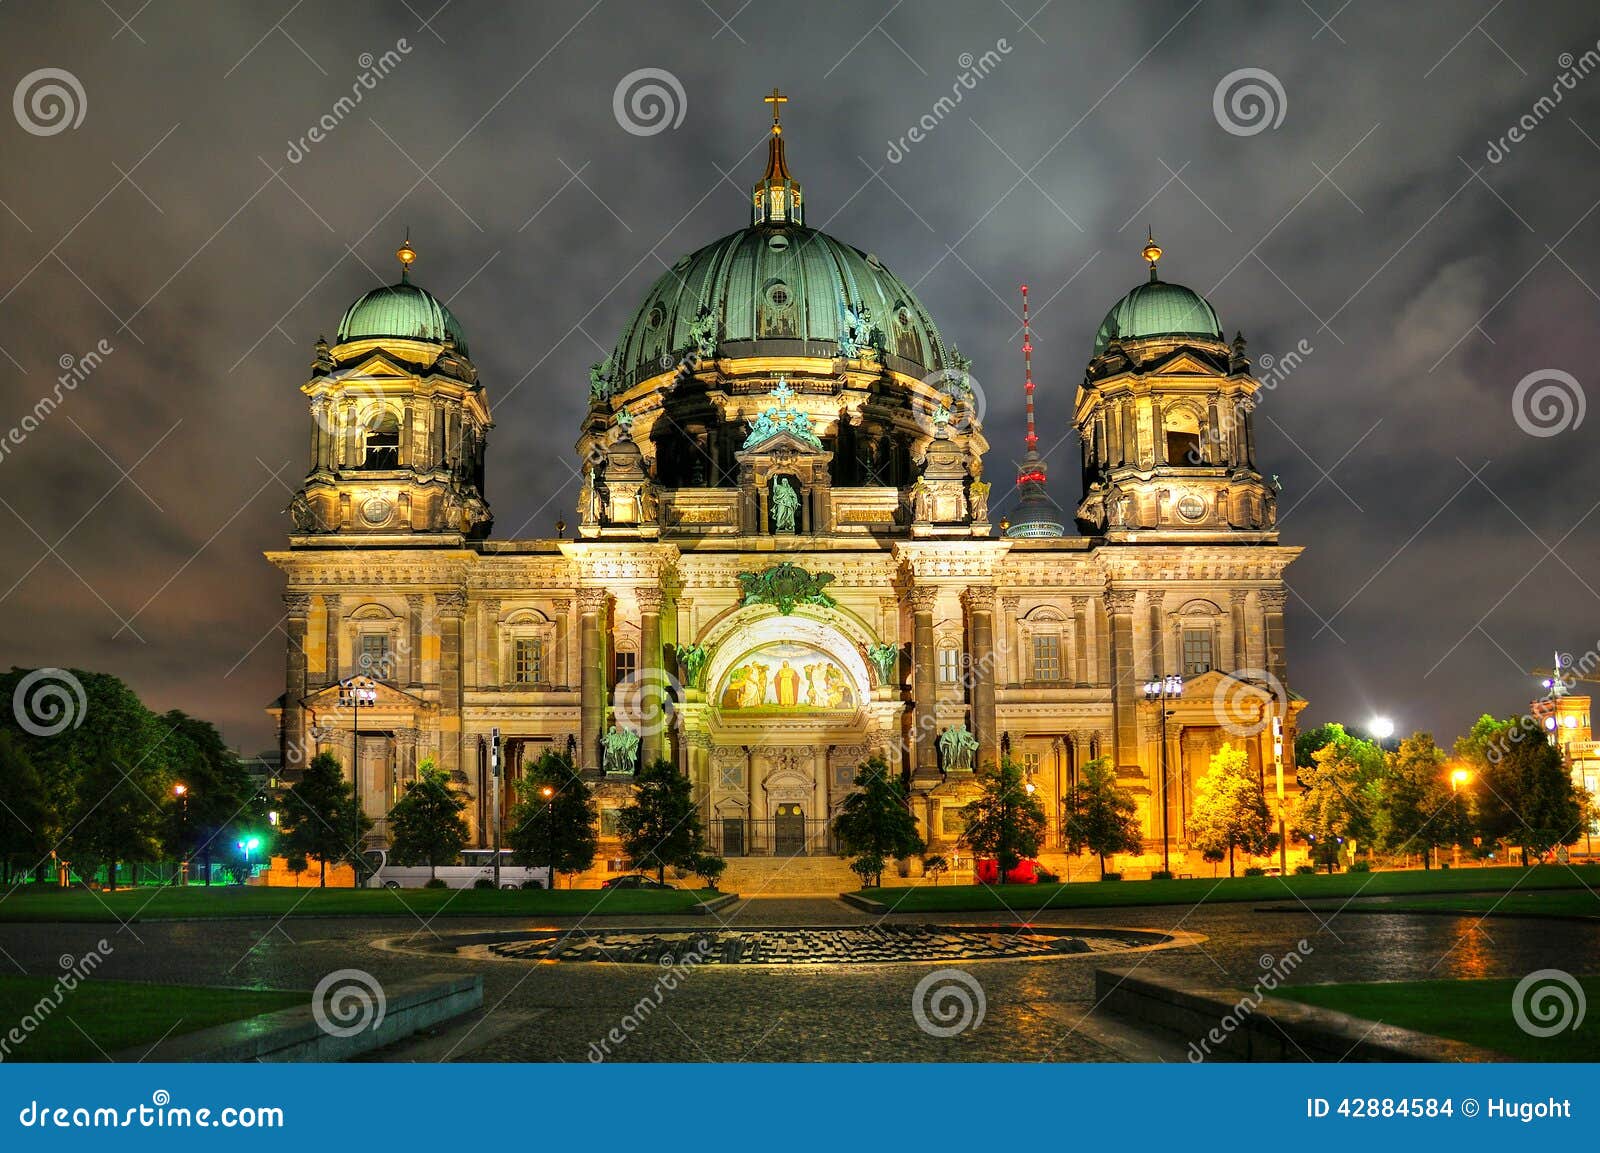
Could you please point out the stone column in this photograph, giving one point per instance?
(979, 602)
(296, 753)
(560, 676)
(330, 641)
(924, 683)
(1272, 605)
(1010, 643)
(1158, 433)
(651, 683)
(1158, 640)
(449, 609)
(592, 605)
(489, 648)
(1080, 639)
(1241, 648)
(1124, 683)
(414, 639)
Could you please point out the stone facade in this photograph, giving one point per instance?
(784, 566)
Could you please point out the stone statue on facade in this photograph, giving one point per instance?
(620, 748)
(885, 659)
(692, 661)
(785, 505)
(978, 496)
(703, 333)
(956, 748)
(600, 381)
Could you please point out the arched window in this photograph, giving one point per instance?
(1182, 427)
(382, 441)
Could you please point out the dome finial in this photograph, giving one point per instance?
(405, 254)
(1151, 252)
(777, 100)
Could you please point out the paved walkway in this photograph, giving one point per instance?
(1033, 1009)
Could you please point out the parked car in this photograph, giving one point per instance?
(986, 869)
(636, 881)
(472, 866)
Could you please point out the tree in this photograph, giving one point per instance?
(101, 757)
(319, 816)
(559, 827)
(875, 821)
(1007, 821)
(709, 868)
(426, 825)
(219, 800)
(26, 816)
(660, 827)
(1527, 796)
(1340, 798)
(1419, 807)
(1099, 816)
(1230, 811)
(935, 866)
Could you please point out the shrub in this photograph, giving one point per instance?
(1255, 871)
(1444, 864)
(1305, 870)
(1361, 866)
(1161, 875)
(434, 883)
(1046, 877)
(533, 883)
(1112, 877)
(483, 883)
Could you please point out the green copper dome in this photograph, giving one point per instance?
(1158, 309)
(402, 310)
(778, 291)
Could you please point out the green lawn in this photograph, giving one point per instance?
(1478, 1012)
(155, 904)
(927, 898)
(1566, 903)
(100, 1017)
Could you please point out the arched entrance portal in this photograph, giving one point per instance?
(788, 712)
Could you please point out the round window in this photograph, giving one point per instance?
(777, 242)
(376, 510)
(1191, 507)
(778, 296)
(657, 315)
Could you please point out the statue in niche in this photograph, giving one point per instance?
(621, 750)
(692, 660)
(785, 505)
(922, 501)
(956, 748)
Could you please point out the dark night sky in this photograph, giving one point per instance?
(1447, 548)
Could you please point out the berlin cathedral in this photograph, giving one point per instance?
(786, 558)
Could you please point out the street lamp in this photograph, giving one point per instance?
(1160, 692)
(549, 796)
(1459, 777)
(181, 792)
(246, 847)
(1381, 727)
(353, 693)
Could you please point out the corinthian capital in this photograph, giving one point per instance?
(591, 600)
(923, 600)
(451, 604)
(1273, 600)
(297, 604)
(978, 598)
(1120, 600)
(649, 599)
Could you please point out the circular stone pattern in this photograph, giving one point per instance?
(893, 943)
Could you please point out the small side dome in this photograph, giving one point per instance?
(405, 311)
(1158, 309)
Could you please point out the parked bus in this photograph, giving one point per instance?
(472, 865)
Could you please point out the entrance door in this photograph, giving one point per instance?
(733, 836)
(789, 830)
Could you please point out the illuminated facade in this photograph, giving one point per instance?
(784, 559)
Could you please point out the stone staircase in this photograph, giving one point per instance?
(788, 876)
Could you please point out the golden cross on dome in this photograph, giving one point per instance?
(775, 100)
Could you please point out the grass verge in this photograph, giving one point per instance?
(1113, 894)
(157, 904)
(97, 1018)
(1478, 1012)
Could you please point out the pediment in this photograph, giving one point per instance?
(1182, 363)
(783, 445)
(327, 700)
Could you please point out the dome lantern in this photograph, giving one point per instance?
(776, 199)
